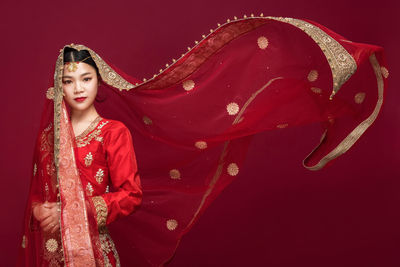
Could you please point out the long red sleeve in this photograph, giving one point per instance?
(126, 193)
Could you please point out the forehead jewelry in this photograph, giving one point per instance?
(73, 65)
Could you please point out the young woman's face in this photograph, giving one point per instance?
(80, 86)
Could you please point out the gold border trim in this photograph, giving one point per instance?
(350, 139)
(342, 64)
(101, 211)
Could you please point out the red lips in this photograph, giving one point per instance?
(80, 99)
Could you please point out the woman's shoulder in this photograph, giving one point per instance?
(113, 126)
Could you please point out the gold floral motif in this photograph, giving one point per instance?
(232, 108)
(147, 120)
(23, 244)
(233, 169)
(262, 42)
(188, 85)
(51, 245)
(385, 72)
(99, 176)
(172, 224)
(89, 189)
(359, 97)
(201, 144)
(50, 93)
(101, 211)
(88, 159)
(51, 169)
(316, 90)
(312, 76)
(281, 126)
(175, 174)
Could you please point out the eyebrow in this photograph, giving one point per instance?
(86, 73)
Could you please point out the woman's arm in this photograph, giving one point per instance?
(124, 178)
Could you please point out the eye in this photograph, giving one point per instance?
(67, 81)
(87, 79)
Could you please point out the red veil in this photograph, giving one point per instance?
(191, 125)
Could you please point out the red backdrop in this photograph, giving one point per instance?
(276, 213)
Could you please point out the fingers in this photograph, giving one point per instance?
(49, 205)
(51, 226)
(46, 222)
(55, 228)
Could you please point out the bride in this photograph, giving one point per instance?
(190, 125)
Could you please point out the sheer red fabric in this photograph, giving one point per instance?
(192, 123)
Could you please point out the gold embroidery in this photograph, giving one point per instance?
(107, 246)
(67, 176)
(316, 90)
(281, 126)
(88, 159)
(312, 76)
(342, 64)
(359, 97)
(90, 128)
(51, 245)
(233, 169)
(51, 170)
(85, 140)
(385, 72)
(34, 169)
(188, 85)
(106, 72)
(23, 244)
(99, 176)
(102, 124)
(101, 211)
(50, 93)
(262, 42)
(232, 108)
(46, 189)
(107, 189)
(201, 144)
(89, 189)
(147, 120)
(175, 174)
(359, 130)
(172, 224)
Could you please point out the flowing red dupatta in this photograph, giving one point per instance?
(192, 123)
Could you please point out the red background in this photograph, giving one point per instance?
(276, 213)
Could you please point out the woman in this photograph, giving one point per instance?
(104, 158)
(192, 124)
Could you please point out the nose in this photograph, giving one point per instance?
(78, 88)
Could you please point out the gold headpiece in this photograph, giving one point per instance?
(73, 65)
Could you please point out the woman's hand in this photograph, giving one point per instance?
(47, 214)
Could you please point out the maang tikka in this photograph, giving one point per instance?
(73, 65)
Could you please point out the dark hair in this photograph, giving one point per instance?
(71, 54)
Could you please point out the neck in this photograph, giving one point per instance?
(87, 115)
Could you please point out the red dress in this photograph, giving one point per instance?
(107, 167)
